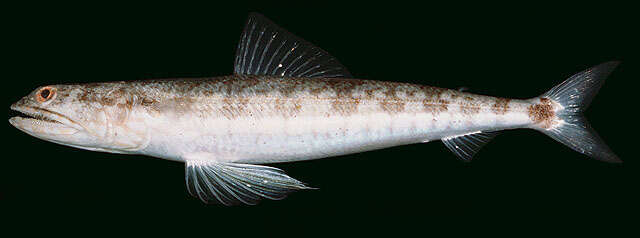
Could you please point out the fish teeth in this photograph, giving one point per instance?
(35, 115)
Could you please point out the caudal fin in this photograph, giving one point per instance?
(570, 99)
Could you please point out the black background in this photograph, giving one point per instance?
(516, 51)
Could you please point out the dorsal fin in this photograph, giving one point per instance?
(467, 145)
(267, 49)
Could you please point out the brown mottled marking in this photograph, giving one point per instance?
(469, 106)
(234, 108)
(392, 106)
(501, 106)
(297, 107)
(281, 109)
(345, 87)
(112, 97)
(435, 106)
(391, 103)
(250, 81)
(432, 92)
(345, 107)
(345, 103)
(146, 101)
(542, 114)
(85, 96)
(191, 86)
(91, 86)
(289, 88)
(316, 91)
(294, 108)
(150, 104)
(470, 109)
(410, 91)
(286, 108)
(108, 101)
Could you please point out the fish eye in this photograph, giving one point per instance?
(45, 94)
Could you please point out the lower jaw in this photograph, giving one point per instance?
(41, 127)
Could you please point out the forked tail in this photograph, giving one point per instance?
(559, 112)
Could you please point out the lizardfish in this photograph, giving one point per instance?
(289, 100)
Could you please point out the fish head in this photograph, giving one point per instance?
(91, 117)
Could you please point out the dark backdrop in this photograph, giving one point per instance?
(500, 50)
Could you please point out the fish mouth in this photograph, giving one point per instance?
(40, 121)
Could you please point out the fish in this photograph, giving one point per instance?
(288, 100)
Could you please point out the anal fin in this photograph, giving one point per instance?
(467, 145)
(232, 183)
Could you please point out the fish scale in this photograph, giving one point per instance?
(311, 117)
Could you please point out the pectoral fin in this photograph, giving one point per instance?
(232, 184)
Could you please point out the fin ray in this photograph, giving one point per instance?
(231, 183)
(467, 145)
(262, 40)
(226, 189)
(574, 95)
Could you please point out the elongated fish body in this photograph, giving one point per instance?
(265, 119)
(290, 101)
